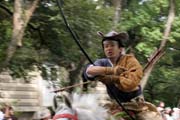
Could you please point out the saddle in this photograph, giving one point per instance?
(138, 108)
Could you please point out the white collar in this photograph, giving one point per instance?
(110, 62)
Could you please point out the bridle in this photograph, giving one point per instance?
(66, 115)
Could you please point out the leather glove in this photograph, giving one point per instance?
(107, 79)
(117, 70)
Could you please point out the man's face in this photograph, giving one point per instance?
(11, 112)
(111, 49)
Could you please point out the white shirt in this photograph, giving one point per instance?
(1, 115)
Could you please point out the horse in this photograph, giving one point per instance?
(81, 107)
(86, 107)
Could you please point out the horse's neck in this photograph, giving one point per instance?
(65, 110)
(84, 114)
(89, 114)
(87, 107)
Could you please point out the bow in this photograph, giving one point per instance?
(77, 42)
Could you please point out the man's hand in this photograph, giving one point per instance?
(117, 70)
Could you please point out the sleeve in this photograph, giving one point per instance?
(85, 76)
(99, 62)
(130, 79)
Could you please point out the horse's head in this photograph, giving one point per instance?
(82, 107)
(65, 111)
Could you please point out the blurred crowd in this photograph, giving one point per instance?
(168, 113)
(7, 113)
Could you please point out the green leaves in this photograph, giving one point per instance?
(50, 41)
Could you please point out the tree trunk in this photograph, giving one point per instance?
(21, 16)
(118, 6)
(159, 52)
(74, 74)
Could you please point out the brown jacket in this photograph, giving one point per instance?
(129, 79)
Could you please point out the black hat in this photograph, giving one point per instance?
(121, 37)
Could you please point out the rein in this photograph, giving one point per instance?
(77, 42)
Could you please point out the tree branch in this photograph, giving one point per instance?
(168, 24)
(160, 52)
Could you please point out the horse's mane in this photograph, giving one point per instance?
(87, 107)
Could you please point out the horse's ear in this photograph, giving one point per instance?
(67, 101)
(55, 104)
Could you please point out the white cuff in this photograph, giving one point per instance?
(91, 76)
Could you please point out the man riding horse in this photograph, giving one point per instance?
(121, 73)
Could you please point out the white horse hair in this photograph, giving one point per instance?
(86, 106)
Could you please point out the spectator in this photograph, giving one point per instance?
(161, 106)
(167, 113)
(9, 113)
(1, 115)
(176, 114)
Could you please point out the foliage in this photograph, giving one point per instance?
(164, 80)
(47, 39)
(4, 37)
